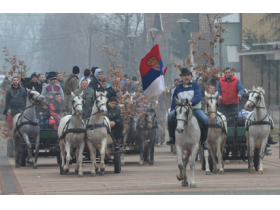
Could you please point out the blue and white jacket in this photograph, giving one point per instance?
(192, 91)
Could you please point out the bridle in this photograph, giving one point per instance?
(207, 105)
(30, 97)
(259, 98)
(97, 101)
(74, 106)
(143, 123)
(188, 108)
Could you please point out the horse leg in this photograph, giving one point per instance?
(80, 158)
(92, 152)
(37, 142)
(251, 158)
(149, 150)
(102, 156)
(62, 155)
(224, 138)
(123, 147)
(220, 157)
(179, 150)
(68, 156)
(185, 162)
(152, 148)
(213, 155)
(141, 162)
(29, 148)
(192, 165)
(261, 156)
(77, 158)
(206, 156)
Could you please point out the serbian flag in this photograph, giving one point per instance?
(152, 74)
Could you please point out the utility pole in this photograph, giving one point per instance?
(89, 53)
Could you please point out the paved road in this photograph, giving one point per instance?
(133, 179)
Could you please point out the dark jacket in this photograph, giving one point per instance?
(15, 98)
(46, 112)
(127, 88)
(71, 84)
(95, 84)
(114, 115)
(59, 107)
(36, 85)
(110, 92)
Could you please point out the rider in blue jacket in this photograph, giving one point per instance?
(191, 90)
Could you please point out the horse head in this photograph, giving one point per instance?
(182, 110)
(255, 97)
(150, 115)
(101, 102)
(77, 103)
(35, 97)
(211, 105)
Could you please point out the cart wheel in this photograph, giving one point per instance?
(117, 161)
(10, 148)
(23, 157)
(256, 159)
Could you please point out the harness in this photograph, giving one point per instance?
(65, 130)
(99, 125)
(28, 122)
(221, 124)
(251, 121)
(188, 108)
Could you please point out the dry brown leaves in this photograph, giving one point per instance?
(4, 131)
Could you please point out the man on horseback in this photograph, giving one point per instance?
(191, 90)
(15, 98)
(230, 90)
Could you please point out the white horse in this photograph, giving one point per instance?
(217, 134)
(98, 126)
(187, 137)
(25, 127)
(71, 133)
(258, 125)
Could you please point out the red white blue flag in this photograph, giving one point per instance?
(152, 74)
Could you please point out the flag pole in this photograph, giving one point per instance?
(166, 102)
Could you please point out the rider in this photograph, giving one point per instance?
(114, 115)
(188, 89)
(15, 98)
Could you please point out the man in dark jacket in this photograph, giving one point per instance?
(95, 83)
(114, 115)
(34, 83)
(71, 84)
(107, 87)
(15, 98)
(59, 104)
(93, 71)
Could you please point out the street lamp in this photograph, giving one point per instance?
(153, 32)
(184, 25)
(131, 38)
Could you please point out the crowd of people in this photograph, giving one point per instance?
(57, 91)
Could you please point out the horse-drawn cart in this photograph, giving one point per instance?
(235, 147)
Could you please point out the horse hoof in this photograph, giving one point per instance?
(260, 172)
(221, 172)
(151, 163)
(76, 171)
(141, 163)
(96, 170)
(208, 172)
(102, 171)
(62, 172)
(35, 166)
(193, 185)
(179, 178)
(80, 175)
(122, 164)
(252, 171)
(93, 174)
(185, 184)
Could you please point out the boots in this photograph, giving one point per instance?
(267, 151)
(171, 130)
(203, 138)
(270, 140)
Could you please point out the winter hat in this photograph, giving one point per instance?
(51, 75)
(33, 75)
(76, 70)
(97, 72)
(185, 71)
(93, 70)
